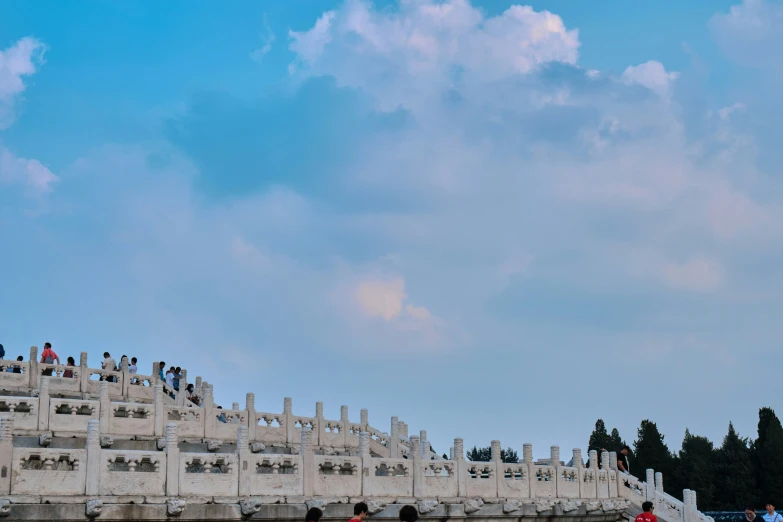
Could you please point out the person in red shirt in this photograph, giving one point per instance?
(647, 513)
(359, 512)
(48, 357)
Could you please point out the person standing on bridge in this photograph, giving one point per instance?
(772, 515)
(751, 516)
(48, 357)
(647, 513)
(360, 512)
(622, 460)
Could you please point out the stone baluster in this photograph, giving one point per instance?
(124, 377)
(405, 429)
(461, 468)
(318, 425)
(210, 414)
(93, 457)
(496, 456)
(416, 466)
(527, 453)
(650, 485)
(613, 460)
(290, 425)
(345, 426)
(577, 458)
(424, 444)
(605, 460)
(84, 375)
(197, 387)
(104, 408)
(308, 462)
(687, 515)
(451, 453)
(35, 374)
(659, 481)
(243, 457)
(209, 400)
(613, 483)
(394, 435)
(364, 418)
(593, 456)
(155, 373)
(554, 455)
(252, 417)
(43, 404)
(6, 450)
(160, 410)
(364, 453)
(234, 406)
(172, 459)
(576, 462)
(183, 386)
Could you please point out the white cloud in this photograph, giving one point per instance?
(751, 33)
(267, 39)
(30, 173)
(652, 75)
(17, 62)
(701, 275)
(385, 298)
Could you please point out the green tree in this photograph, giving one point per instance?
(735, 474)
(599, 439)
(696, 469)
(616, 442)
(507, 455)
(768, 456)
(650, 451)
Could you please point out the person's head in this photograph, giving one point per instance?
(360, 510)
(20, 358)
(124, 357)
(162, 365)
(133, 360)
(190, 387)
(106, 355)
(750, 513)
(770, 507)
(626, 450)
(313, 515)
(71, 362)
(47, 346)
(220, 407)
(409, 514)
(647, 507)
(178, 370)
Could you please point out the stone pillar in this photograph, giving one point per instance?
(210, 417)
(613, 460)
(197, 387)
(605, 460)
(451, 453)
(527, 453)
(460, 467)
(209, 401)
(104, 411)
(416, 467)
(650, 483)
(593, 456)
(6, 450)
(554, 456)
(155, 370)
(43, 404)
(243, 456)
(288, 413)
(172, 460)
(496, 456)
(687, 512)
(318, 428)
(308, 462)
(345, 425)
(394, 438)
(84, 375)
(35, 374)
(183, 382)
(252, 420)
(404, 430)
(364, 453)
(124, 376)
(659, 482)
(424, 444)
(577, 458)
(93, 457)
(234, 406)
(364, 418)
(160, 410)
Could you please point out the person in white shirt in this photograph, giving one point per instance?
(108, 365)
(771, 515)
(133, 369)
(170, 381)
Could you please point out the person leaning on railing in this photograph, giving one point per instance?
(68, 374)
(48, 357)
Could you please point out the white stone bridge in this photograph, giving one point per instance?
(81, 448)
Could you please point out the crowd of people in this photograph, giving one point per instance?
(361, 512)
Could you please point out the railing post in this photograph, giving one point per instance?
(172, 460)
(160, 411)
(394, 438)
(416, 467)
(496, 455)
(155, 373)
(6, 450)
(650, 483)
(345, 425)
(613, 461)
(210, 418)
(35, 375)
(659, 481)
(243, 454)
(613, 473)
(425, 445)
(183, 386)
(460, 467)
(197, 387)
(527, 458)
(43, 404)
(92, 485)
(124, 375)
(290, 429)
(318, 428)
(364, 418)
(576, 461)
(104, 407)
(364, 452)
(84, 375)
(252, 420)
(308, 462)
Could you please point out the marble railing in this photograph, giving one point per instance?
(240, 472)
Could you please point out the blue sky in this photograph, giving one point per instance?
(493, 220)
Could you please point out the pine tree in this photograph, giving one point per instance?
(599, 439)
(696, 469)
(650, 451)
(735, 480)
(768, 455)
(507, 455)
(616, 442)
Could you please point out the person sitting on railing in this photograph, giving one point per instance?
(68, 374)
(48, 357)
(132, 368)
(108, 364)
(192, 397)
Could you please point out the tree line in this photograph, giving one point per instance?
(740, 471)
